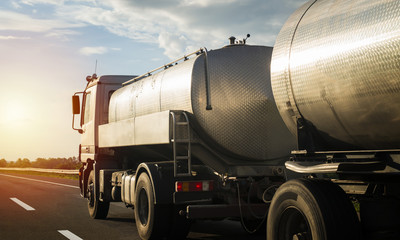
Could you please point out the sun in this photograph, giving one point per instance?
(15, 112)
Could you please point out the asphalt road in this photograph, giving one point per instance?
(35, 207)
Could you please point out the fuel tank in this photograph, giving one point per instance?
(240, 118)
(335, 74)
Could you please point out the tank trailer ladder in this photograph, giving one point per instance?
(181, 145)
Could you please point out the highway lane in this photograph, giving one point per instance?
(57, 208)
(59, 212)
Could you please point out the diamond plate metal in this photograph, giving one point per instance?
(336, 64)
(244, 119)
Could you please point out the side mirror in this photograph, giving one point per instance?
(76, 109)
(76, 105)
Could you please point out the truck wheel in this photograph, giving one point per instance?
(97, 209)
(152, 221)
(309, 209)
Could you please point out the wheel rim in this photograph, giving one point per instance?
(143, 207)
(293, 225)
(91, 194)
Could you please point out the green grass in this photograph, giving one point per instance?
(55, 175)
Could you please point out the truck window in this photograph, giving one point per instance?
(106, 106)
(87, 116)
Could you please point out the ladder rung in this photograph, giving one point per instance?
(182, 163)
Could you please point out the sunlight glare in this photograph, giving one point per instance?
(15, 112)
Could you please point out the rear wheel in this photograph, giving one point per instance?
(151, 221)
(157, 221)
(308, 209)
(97, 209)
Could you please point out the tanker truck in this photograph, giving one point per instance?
(302, 139)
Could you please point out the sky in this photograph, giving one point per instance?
(48, 47)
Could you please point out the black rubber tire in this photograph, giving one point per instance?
(97, 209)
(311, 209)
(152, 221)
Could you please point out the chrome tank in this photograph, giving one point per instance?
(336, 66)
(243, 123)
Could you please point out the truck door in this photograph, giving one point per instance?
(88, 125)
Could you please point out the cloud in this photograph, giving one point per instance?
(173, 44)
(176, 25)
(15, 5)
(13, 38)
(34, 2)
(21, 22)
(62, 34)
(87, 51)
(205, 3)
(116, 21)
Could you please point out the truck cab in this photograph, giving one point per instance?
(89, 115)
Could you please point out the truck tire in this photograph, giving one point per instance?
(97, 209)
(310, 209)
(152, 221)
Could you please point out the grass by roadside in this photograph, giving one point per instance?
(56, 175)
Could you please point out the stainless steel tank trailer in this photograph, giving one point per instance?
(303, 138)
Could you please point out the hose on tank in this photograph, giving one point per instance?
(242, 220)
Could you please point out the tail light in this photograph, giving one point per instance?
(194, 186)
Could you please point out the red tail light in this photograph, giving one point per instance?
(194, 186)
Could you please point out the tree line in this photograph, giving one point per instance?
(49, 163)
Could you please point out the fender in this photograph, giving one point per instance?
(162, 179)
(84, 172)
(90, 165)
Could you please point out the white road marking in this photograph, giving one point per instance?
(22, 204)
(69, 235)
(42, 181)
